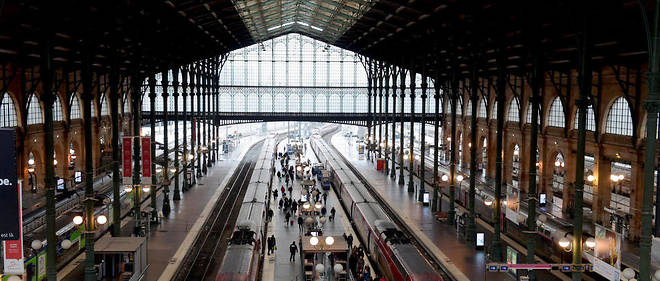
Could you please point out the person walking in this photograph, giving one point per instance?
(269, 215)
(281, 203)
(271, 244)
(332, 214)
(323, 211)
(325, 198)
(293, 249)
(275, 193)
(300, 223)
(349, 240)
(287, 216)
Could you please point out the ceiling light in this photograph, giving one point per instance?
(287, 24)
(316, 28)
(302, 23)
(274, 27)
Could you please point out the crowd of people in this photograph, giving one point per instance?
(292, 210)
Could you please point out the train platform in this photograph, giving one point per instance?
(445, 241)
(277, 266)
(178, 228)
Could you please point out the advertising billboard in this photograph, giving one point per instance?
(127, 161)
(10, 223)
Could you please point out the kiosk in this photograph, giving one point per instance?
(121, 258)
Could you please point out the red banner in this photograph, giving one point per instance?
(146, 160)
(127, 159)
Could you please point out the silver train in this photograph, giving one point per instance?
(241, 260)
(388, 245)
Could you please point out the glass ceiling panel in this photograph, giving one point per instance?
(325, 19)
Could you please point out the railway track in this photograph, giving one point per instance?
(201, 260)
(402, 225)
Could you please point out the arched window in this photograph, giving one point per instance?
(482, 109)
(104, 107)
(34, 111)
(556, 118)
(493, 113)
(514, 111)
(619, 118)
(93, 109)
(468, 109)
(591, 121)
(127, 106)
(8, 117)
(57, 109)
(74, 110)
(459, 107)
(528, 118)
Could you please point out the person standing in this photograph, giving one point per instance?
(287, 216)
(332, 214)
(325, 198)
(349, 240)
(293, 249)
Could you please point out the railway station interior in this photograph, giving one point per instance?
(288, 140)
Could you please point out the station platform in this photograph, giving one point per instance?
(445, 238)
(277, 266)
(177, 228)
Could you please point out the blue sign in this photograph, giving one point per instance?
(493, 267)
(504, 267)
(9, 192)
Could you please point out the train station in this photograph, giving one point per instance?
(348, 140)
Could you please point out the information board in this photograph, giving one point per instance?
(9, 189)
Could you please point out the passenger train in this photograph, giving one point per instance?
(388, 245)
(242, 258)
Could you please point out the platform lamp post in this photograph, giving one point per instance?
(442, 183)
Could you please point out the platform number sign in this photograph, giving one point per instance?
(9, 188)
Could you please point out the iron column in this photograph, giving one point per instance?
(452, 143)
(403, 120)
(386, 117)
(500, 96)
(393, 155)
(88, 234)
(166, 149)
(136, 102)
(175, 85)
(474, 97)
(152, 123)
(436, 137)
(184, 93)
(116, 175)
(411, 142)
(536, 85)
(369, 123)
(48, 97)
(422, 142)
(380, 110)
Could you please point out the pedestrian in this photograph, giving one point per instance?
(293, 249)
(287, 216)
(282, 189)
(300, 224)
(325, 198)
(275, 193)
(332, 212)
(291, 189)
(349, 240)
(272, 245)
(323, 211)
(269, 216)
(279, 175)
(294, 207)
(281, 203)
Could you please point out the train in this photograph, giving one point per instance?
(390, 248)
(241, 261)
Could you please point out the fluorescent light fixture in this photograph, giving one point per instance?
(316, 28)
(302, 23)
(287, 24)
(274, 27)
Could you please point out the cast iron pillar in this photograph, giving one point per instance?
(203, 119)
(652, 106)
(48, 97)
(136, 102)
(452, 150)
(584, 82)
(411, 142)
(386, 118)
(198, 123)
(88, 234)
(532, 193)
(166, 150)
(403, 120)
(422, 141)
(369, 115)
(393, 154)
(152, 123)
(474, 97)
(116, 175)
(207, 116)
(380, 110)
(500, 91)
(375, 111)
(184, 94)
(175, 85)
(436, 138)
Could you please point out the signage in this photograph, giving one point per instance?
(60, 184)
(146, 160)
(77, 177)
(10, 194)
(13, 249)
(127, 161)
(426, 198)
(542, 199)
(481, 240)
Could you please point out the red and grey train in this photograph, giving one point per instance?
(388, 245)
(241, 261)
